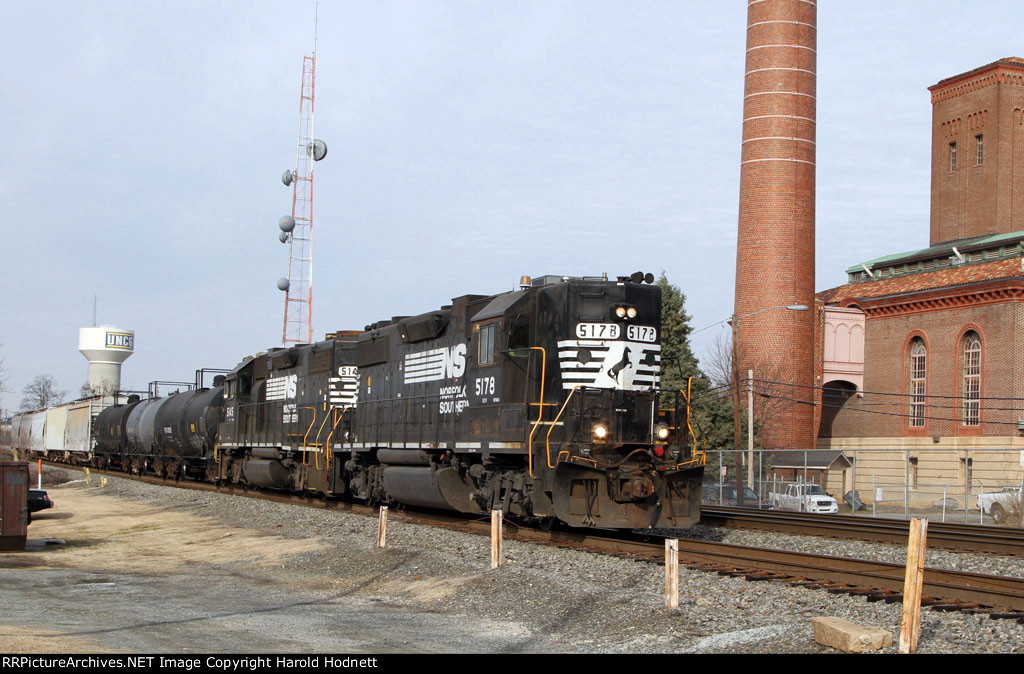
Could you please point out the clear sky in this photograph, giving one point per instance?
(470, 142)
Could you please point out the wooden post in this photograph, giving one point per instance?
(672, 573)
(382, 526)
(911, 623)
(496, 556)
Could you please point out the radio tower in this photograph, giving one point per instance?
(297, 229)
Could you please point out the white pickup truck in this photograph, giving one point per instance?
(1000, 505)
(805, 498)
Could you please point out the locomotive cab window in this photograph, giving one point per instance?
(485, 345)
(519, 339)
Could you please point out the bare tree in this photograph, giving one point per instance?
(3, 384)
(773, 398)
(41, 392)
(718, 360)
(104, 388)
(3, 375)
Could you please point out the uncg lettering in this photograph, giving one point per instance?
(119, 341)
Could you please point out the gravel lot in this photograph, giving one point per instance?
(156, 569)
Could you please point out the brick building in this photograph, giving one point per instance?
(923, 351)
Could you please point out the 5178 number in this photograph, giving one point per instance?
(485, 386)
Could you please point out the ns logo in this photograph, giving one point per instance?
(447, 362)
(455, 361)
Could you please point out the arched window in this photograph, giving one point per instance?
(918, 382)
(972, 379)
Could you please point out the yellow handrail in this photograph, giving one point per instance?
(540, 414)
(305, 460)
(689, 395)
(316, 457)
(699, 457)
(547, 439)
(569, 458)
(334, 427)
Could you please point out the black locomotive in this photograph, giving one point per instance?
(542, 402)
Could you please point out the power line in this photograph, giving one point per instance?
(892, 414)
(880, 393)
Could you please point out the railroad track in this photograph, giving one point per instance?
(1000, 597)
(960, 537)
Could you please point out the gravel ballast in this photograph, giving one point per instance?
(431, 590)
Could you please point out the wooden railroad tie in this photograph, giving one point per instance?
(763, 575)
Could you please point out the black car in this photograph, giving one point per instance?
(37, 500)
(725, 494)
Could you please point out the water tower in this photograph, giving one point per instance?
(105, 348)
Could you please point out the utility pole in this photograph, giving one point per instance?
(736, 426)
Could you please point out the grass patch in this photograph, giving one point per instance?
(77, 543)
(139, 527)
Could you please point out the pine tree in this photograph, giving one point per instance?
(711, 409)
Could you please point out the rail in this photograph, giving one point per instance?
(1000, 596)
(951, 536)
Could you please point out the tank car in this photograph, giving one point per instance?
(110, 435)
(172, 436)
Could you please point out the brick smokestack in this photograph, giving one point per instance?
(775, 252)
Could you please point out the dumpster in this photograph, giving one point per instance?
(13, 505)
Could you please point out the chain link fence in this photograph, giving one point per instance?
(975, 486)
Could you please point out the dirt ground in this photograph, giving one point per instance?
(102, 550)
(139, 577)
(147, 569)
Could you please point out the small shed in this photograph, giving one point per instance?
(828, 468)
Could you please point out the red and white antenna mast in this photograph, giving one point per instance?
(297, 229)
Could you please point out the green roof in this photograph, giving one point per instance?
(940, 250)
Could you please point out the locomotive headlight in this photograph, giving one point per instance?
(662, 432)
(600, 432)
(625, 311)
